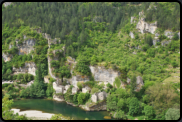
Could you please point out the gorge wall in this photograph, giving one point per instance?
(143, 26)
(29, 67)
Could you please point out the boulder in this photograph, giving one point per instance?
(94, 98)
(102, 95)
(132, 35)
(74, 90)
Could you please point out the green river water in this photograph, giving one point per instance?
(50, 106)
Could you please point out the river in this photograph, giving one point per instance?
(55, 107)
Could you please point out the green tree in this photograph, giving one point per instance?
(121, 104)
(120, 115)
(7, 114)
(133, 85)
(172, 114)
(149, 112)
(64, 72)
(174, 64)
(133, 106)
(81, 98)
(117, 82)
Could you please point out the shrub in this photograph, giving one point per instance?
(109, 85)
(80, 85)
(174, 64)
(94, 90)
(117, 82)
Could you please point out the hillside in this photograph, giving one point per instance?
(133, 47)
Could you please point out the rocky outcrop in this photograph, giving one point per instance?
(66, 88)
(74, 90)
(132, 35)
(46, 79)
(58, 98)
(26, 47)
(58, 88)
(139, 83)
(7, 57)
(10, 46)
(101, 106)
(179, 35)
(98, 96)
(169, 34)
(150, 7)
(133, 20)
(86, 89)
(29, 67)
(143, 26)
(98, 19)
(102, 95)
(94, 97)
(103, 74)
(7, 4)
(165, 42)
(156, 35)
(128, 81)
(155, 41)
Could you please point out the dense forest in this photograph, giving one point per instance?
(97, 34)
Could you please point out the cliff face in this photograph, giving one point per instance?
(7, 4)
(26, 47)
(7, 57)
(28, 68)
(143, 26)
(105, 75)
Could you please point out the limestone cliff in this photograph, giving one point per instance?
(27, 68)
(103, 74)
(143, 26)
(26, 47)
(7, 4)
(7, 57)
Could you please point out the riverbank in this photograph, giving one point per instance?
(33, 114)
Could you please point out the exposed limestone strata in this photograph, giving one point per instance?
(27, 68)
(26, 47)
(7, 57)
(143, 26)
(103, 74)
